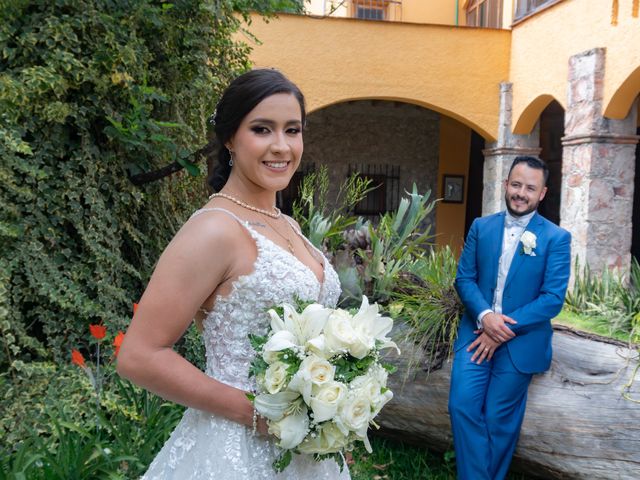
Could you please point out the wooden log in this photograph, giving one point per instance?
(577, 425)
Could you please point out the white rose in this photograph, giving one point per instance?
(325, 401)
(382, 400)
(369, 386)
(275, 377)
(291, 430)
(362, 345)
(354, 413)
(339, 335)
(528, 240)
(374, 385)
(328, 439)
(318, 346)
(313, 370)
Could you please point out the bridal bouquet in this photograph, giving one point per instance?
(320, 379)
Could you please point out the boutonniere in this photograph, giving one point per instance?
(528, 240)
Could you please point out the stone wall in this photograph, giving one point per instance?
(598, 169)
(375, 132)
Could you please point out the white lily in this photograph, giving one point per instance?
(291, 430)
(303, 326)
(274, 406)
(371, 326)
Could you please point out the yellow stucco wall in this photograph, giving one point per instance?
(541, 47)
(455, 140)
(454, 71)
(442, 12)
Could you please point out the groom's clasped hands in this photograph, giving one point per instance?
(494, 332)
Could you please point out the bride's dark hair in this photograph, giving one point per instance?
(240, 97)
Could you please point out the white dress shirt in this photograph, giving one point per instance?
(514, 227)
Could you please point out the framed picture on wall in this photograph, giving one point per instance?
(453, 188)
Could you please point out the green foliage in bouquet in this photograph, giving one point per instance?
(94, 93)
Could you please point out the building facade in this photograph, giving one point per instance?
(447, 92)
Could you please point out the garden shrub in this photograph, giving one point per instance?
(92, 94)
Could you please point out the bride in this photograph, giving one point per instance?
(231, 260)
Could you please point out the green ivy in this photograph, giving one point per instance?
(93, 92)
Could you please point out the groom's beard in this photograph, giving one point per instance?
(530, 207)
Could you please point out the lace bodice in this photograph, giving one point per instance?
(277, 277)
(204, 446)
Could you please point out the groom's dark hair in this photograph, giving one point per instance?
(532, 162)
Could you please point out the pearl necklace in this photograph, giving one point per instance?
(275, 214)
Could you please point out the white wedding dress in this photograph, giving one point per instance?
(205, 446)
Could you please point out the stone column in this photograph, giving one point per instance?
(499, 155)
(598, 163)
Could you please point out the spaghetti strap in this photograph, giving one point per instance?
(243, 223)
(216, 209)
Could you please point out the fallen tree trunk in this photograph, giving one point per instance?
(577, 425)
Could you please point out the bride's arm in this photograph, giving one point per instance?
(203, 255)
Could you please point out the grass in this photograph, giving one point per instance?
(590, 323)
(393, 460)
(398, 461)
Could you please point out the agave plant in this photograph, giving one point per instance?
(396, 242)
(426, 300)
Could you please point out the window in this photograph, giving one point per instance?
(369, 13)
(376, 9)
(525, 7)
(484, 13)
(385, 197)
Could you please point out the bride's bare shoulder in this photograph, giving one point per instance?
(208, 234)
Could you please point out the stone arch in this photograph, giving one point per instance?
(410, 101)
(624, 96)
(530, 115)
(396, 143)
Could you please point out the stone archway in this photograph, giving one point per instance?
(393, 143)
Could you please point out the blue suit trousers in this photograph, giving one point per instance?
(486, 406)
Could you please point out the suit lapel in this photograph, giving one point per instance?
(534, 226)
(496, 245)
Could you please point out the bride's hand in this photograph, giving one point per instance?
(262, 427)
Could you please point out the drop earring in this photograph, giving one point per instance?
(230, 158)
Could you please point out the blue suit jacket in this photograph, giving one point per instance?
(534, 290)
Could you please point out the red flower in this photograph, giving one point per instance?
(135, 307)
(98, 331)
(117, 342)
(77, 358)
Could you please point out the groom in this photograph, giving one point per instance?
(512, 278)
